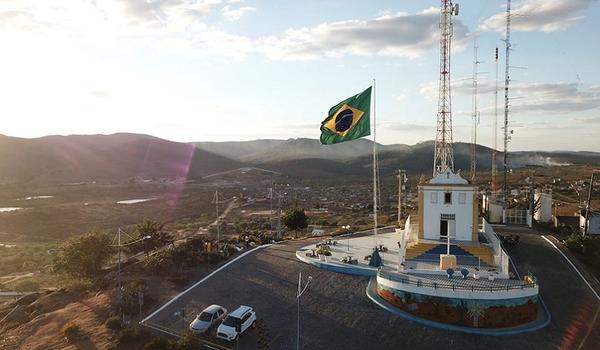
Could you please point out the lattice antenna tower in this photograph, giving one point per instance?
(443, 155)
(495, 135)
(506, 100)
(475, 114)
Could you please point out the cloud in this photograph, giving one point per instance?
(460, 87)
(399, 35)
(393, 126)
(530, 97)
(234, 14)
(555, 97)
(400, 97)
(180, 26)
(587, 120)
(539, 15)
(99, 94)
(118, 15)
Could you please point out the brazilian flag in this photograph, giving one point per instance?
(348, 120)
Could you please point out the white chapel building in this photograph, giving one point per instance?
(448, 206)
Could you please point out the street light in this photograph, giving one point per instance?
(347, 228)
(301, 291)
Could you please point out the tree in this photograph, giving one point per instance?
(295, 219)
(84, 256)
(158, 236)
(179, 256)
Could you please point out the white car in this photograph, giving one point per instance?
(207, 318)
(236, 323)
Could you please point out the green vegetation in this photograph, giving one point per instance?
(130, 335)
(84, 256)
(159, 344)
(25, 258)
(587, 249)
(578, 242)
(153, 235)
(113, 323)
(295, 219)
(324, 250)
(26, 286)
(187, 342)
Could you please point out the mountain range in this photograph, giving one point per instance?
(122, 156)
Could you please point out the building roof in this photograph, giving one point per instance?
(448, 177)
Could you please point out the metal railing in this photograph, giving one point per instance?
(470, 286)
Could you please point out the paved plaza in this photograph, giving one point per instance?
(336, 313)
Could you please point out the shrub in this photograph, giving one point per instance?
(71, 331)
(578, 242)
(158, 344)
(84, 256)
(324, 250)
(129, 335)
(113, 323)
(27, 286)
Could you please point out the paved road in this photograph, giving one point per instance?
(336, 314)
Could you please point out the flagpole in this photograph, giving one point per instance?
(374, 165)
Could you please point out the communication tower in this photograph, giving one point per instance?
(443, 155)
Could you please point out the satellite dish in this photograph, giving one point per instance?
(455, 9)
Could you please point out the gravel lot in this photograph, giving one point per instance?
(336, 313)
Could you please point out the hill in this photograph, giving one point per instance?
(265, 151)
(122, 156)
(63, 159)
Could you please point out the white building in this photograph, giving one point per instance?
(448, 206)
(493, 207)
(593, 223)
(544, 212)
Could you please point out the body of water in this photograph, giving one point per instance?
(35, 197)
(135, 201)
(9, 209)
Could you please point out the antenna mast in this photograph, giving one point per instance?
(443, 155)
(494, 166)
(475, 115)
(506, 100)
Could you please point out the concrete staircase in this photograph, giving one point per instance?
(485, 253)
(419, 248)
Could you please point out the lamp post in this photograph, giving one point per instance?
(347, 228)
(301, 291)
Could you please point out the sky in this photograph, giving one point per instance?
(227, 70)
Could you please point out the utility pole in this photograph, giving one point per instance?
(216, 200)
(271, 206)
(279, 214)
(494, 165)
(120, 246)
(506, 100)
(119, 266)
(588, 205)
(475, 115)
(401, 193)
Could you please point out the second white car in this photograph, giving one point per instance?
(236, 323)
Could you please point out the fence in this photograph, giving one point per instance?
(463, 285)
(517, 217)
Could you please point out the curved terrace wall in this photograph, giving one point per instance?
(478, 309)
